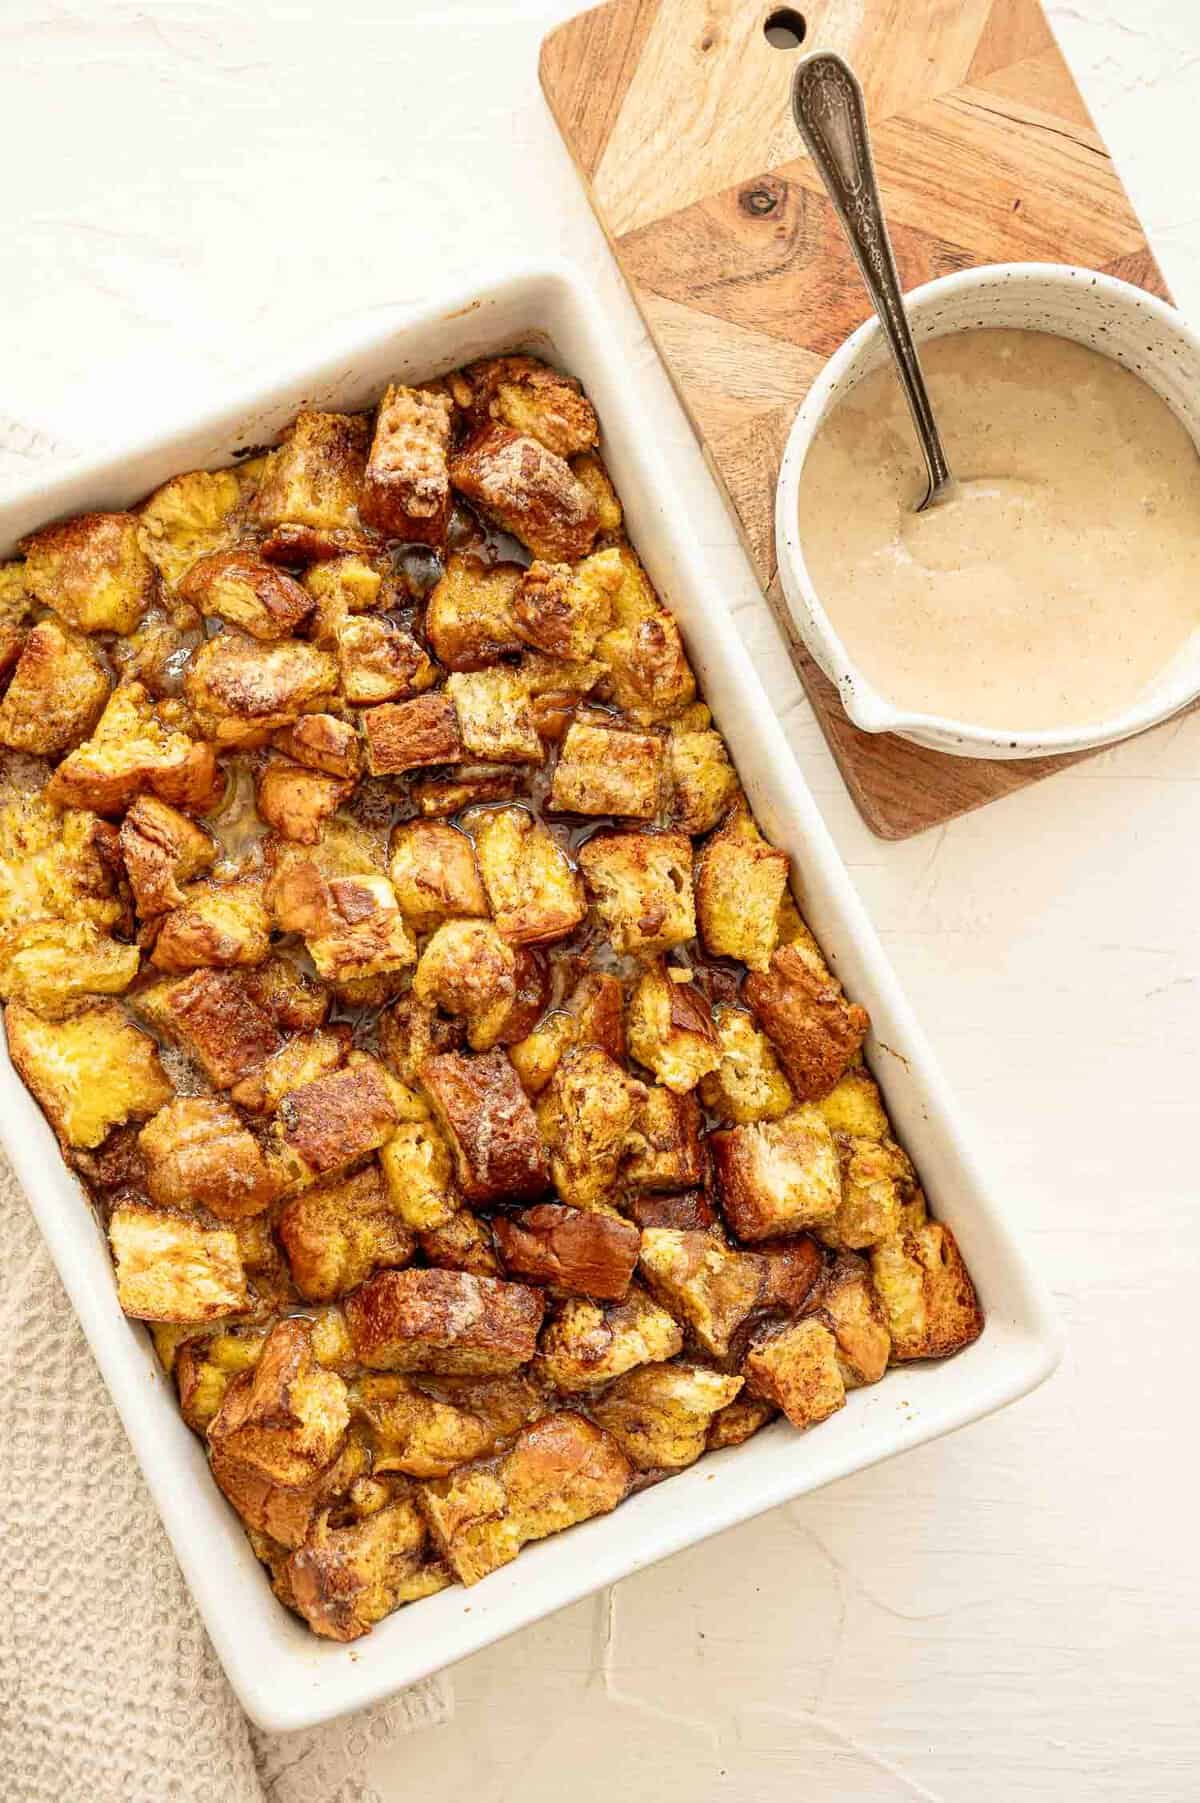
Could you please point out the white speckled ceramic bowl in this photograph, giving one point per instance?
(1144, 334)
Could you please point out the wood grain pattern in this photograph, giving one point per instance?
(677, 114)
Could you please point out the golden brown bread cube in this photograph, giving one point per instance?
(57, 693)
(297, 801)
(425, 1434)
(469, 618)
(170, 1268)
(716, 1290)
(241, 691)
(418, 1172)
(346, 1578)
(495, 716)
(289, 994)
(703, 782)
(563, 610)
(534, 892)
(408, 735)
(689, 1210)
(315, 477)
(490, 1127)
(188, 517)
(527, 490)
(797, 1369)
(641, 885)
(341, 585)
(529, 396)
(204, 1367)
(436, 797)
(561, 1470)
(585, 1343)
(131, 748)
(379, 660)
(212, 1016)
(287, 1512)
(777, 1176)
(64, 864)
(648, 671)
(747, 1084)
(571, 1249)
(336, 1234)
(359, 931)
(586, 1117)
(286, 1418)
(198, 1153)
(738, 1421)
(406, 493)
(89, 1072)
(162, 849)
(434, 874)
(467, 969)
(854, 1106)
(664, 1143)
(91, 570)
(659, 1415)
(740, 881)
(409, 1033)
(300, 1059)
(593, 1014)
(804, 1014)
(326, 1125)
(928, 1299)
(846, 1303)
(50, 965)
(219, 924)
(588, 468)
(877, 1184)
(255, 597)
(463, 1243)
(447, 1321)
(606, 769)
(322, 742)
(671, 1027)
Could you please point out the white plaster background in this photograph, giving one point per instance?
(196, 190)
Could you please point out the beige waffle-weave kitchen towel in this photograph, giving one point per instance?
(109, 1689)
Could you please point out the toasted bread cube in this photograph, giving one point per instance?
(346, 1578)
(409, 1033)
(296, 801)
(255, 597)
(659, 1415)
(341, 585)
(635, 601)
(469, 970)
(463, 1243)
(648, 671)
(130, 749)
(664, 1144)
(91, 570)
(928, 1299)
(641, 884)
(593, 1015)
(588, 469)
(483, 1112)
(90, 1072)
(585, 1344)
(406, 493)
(408, 735)
(845, 1301)
(379, 661)
(336, 1234)
(797, 1369)
(607, 770)
(331, 1123)
(448, 1321)
(206, 1365)
(854, 1106)
(740, 880)
(563, 611)
(241, 691)
(162, 849)
(301, 1059)
(777, 1176)
(495, 718)
(688, 1210)
(671, 1027)
(218, 925)
(212, 1016)
(188, 517)
(571, 1249)
(58, 692)
(198, 1154)
(434, 874)
(285, 1419)
(738, 1421)
(747, 1084)
(50, 965)
(315, 476)
(717, 1290)
(363, 933)
(469, 619)
(877, 1184)
(529, 396)
(535, 893)
(322, 742)
(527, 490)
(804, 1014)
(170, 1268)
(289, 994)
(586, 1117)
(703, 782)
(64, 864)
(436, 797)
(287, 1512)
(426, 1435)
(417, 1170)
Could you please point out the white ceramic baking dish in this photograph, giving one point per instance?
(285, 1677)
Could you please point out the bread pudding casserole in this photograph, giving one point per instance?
(385, 934)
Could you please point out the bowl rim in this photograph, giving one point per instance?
(867, 706)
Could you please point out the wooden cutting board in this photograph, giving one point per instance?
(677, 113)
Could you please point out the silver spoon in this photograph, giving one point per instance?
(831, 114)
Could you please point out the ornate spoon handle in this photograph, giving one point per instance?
(828, 105)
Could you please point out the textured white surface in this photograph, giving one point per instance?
(197, 188)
